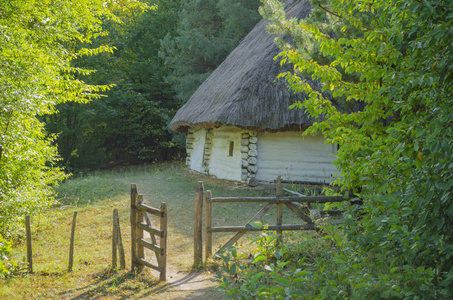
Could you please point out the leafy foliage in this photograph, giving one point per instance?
(207, 32)
(393, 58)
(130, 123)
(36, 50)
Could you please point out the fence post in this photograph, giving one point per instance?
(29, 249)
(71, 247)
(139, 233)
(163, 242)
(134, 196)
(120, 243)
(198, 226)
(114, 239)
(279, 193)
(208, 224)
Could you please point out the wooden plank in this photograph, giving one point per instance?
(283, 199)
(71, 246)
(295, 209)
(29, 249)
(151, 210)
(258, 216)
(294, 193)
(270, 227)
(163, 243)
(134, 229)
(208, 224)
(149, 246)
(152, 231)
(198, 226)
(149, 265)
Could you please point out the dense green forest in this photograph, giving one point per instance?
(88, 84)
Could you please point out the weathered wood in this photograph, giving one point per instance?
(279, 223)
(120, 242)
(140, 219)
(114, 240)
(270, 227)
(245, 142)
(296, 209)
(163, 242)
(283, 199)
(152, 231)
(29, 249)
(253, 153)
(252, 169)
(149, 265)
(71, 246)
(253, 140)
(258, 216)
(134, 229)
(149, 246)
(208, 224)
(151, 210)
(198, 226)
(294, 192)
(252, 146)
(252, 160)
(278, 187)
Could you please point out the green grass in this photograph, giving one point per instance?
(94, 196)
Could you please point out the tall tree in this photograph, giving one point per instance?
(208, 30)
(130, 123)
(396, 153)
(36, 50)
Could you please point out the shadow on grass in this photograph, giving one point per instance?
(111, 284)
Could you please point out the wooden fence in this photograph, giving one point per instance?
(140, 222)
(292, 202)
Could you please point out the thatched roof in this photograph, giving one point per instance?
(243, 90)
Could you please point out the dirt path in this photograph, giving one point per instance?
(184, 285)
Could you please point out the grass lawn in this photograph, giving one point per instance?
(94, 196)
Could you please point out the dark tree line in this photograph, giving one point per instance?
(161, 56)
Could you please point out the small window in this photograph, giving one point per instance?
(230, 152)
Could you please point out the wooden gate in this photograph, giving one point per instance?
(292, 202)
(140, 222)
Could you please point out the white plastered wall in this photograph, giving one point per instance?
(196, 155)
(289, 155)
(222, 165)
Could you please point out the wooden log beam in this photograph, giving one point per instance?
(150, 246)
(309, 199)
(258, 216)
(152, 231)
(149, 265)
(270, 227)
(151, 210)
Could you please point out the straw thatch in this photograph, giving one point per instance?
(243, 90)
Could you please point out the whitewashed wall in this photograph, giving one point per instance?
(222, 165)
(196, 154)
(294, 158)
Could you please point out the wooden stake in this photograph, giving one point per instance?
(114, 239)
(163, 242)
(208, 224)
(133, 217)
(29, 249)
(198, 226)
(71, 247)
(120, 242)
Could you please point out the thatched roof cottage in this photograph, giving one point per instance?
(238, 123)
